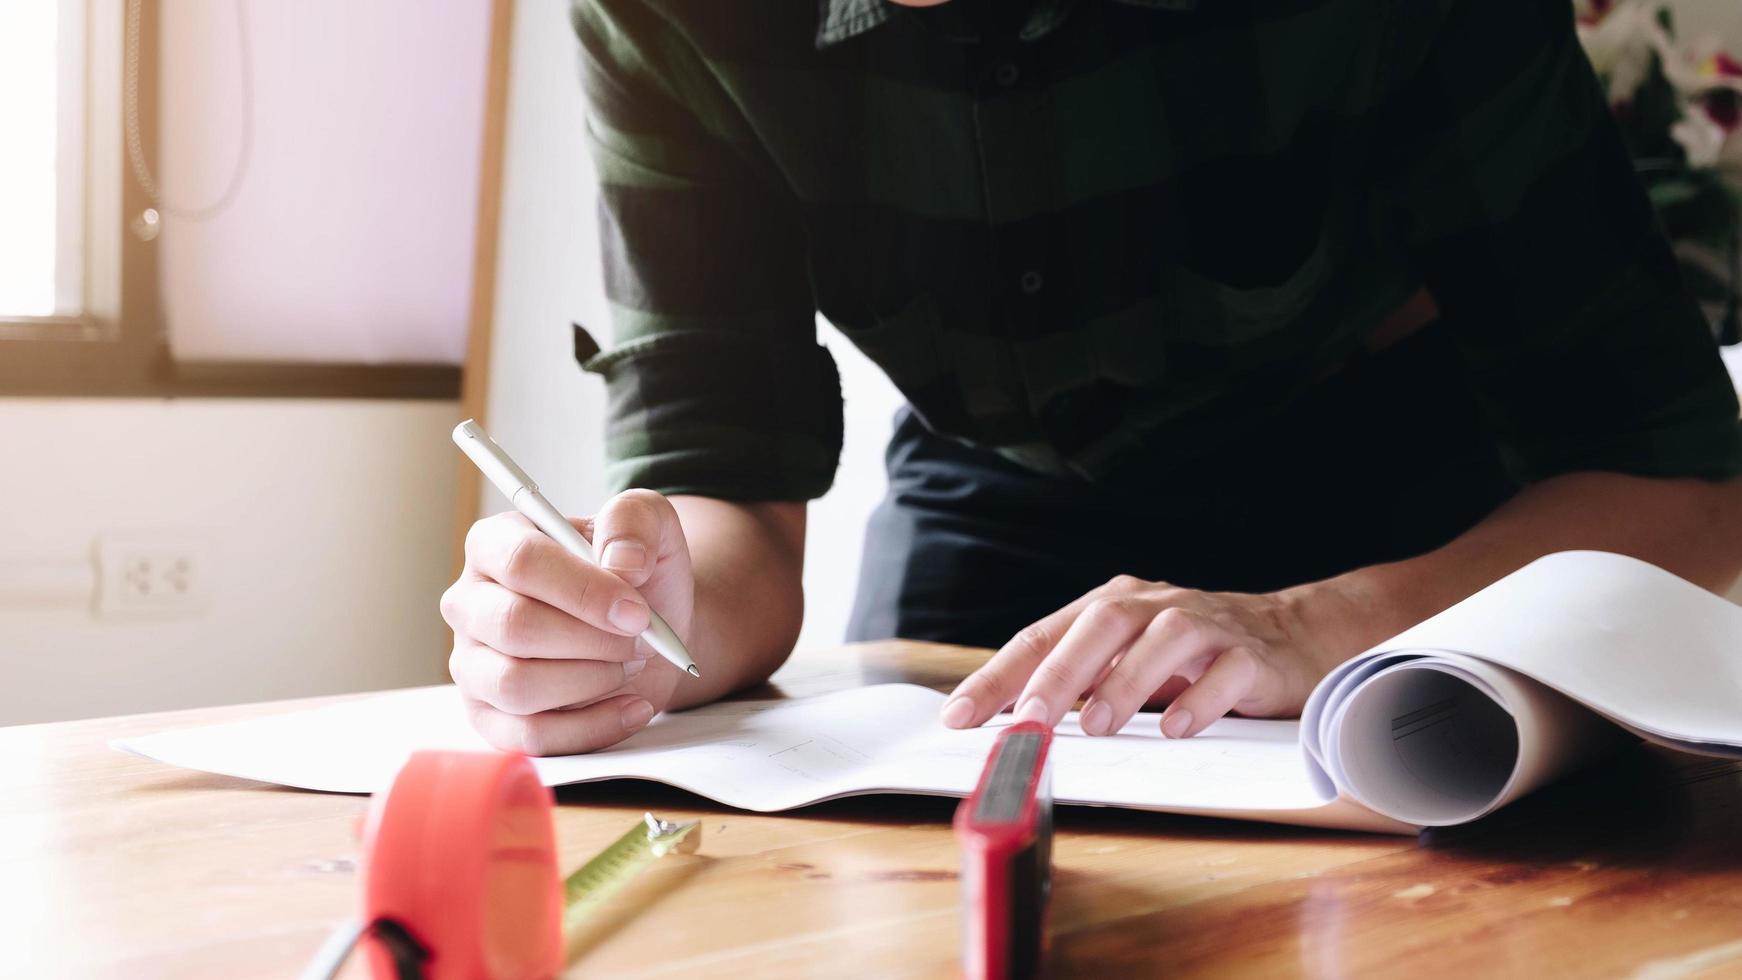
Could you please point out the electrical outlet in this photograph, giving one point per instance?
(151, 575)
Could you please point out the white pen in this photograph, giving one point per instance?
(523, 494)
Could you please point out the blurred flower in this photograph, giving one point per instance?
(1710, 129)
(1622, 38)
(1710, 133)
(1701, 138)
(1700, 66)
(1724, 68)
(1678, 107)
(1630, 45)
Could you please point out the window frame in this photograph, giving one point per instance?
(117, 346)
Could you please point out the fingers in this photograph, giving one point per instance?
(1105, 628)
(1172, 640)
(995, 685)
(518, 686)
(634, 531)
(562, 732)
(521, 626)
(1129, 643)
(545, 640)
(509, 550)
(1228, 680)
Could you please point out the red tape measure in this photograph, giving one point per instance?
(461, 852)
(460, 877)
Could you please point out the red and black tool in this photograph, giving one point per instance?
(1005, 832)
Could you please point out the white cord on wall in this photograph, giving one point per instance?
(135, 144)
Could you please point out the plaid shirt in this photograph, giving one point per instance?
(1118, 233)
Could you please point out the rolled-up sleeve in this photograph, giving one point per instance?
(1517, 202)
(716, 383)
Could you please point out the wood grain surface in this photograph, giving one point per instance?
(115, 866)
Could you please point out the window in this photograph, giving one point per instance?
(56, 264)
(77, 306)
(81, 307)
(41, 50)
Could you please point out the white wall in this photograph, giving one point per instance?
(325, 530)
(542, 407)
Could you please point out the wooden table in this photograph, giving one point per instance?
(115, 866)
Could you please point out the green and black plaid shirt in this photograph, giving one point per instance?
(1118, 229)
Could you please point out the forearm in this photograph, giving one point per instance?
(1692, 528)
(749, 602)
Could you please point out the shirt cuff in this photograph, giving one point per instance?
(720, 413)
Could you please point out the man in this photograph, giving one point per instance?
(1238, 335)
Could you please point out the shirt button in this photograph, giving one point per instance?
(1006, 75)
(1031, 282)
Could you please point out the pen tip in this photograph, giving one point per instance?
(693, 671)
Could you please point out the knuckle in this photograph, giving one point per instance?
(657, 505)
(483, 719)
(993, 680)
(1124, 583)
(1206, 692)
(504, 732)
(1109, 611)
(1101, 609)
(592, 596)
(513, 626)
(475, 538)
(486, 530)
(1121, 688)
(1033, 639)
(531, 738)
(1054, 672)
(520, 559)
(633, 507)
(1240, 665)
(1174, 622)
(514, 687)
(600, 646)
(1241, 659)
(450, 606)
(642, 497)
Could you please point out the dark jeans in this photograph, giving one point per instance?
(1386, 459)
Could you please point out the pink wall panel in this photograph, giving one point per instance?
(351, 236)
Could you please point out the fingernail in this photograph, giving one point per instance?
(628, 615)
(1034, 709)
(633, 668)
(625, 556)
(1098, 718)
(636, 714)
(958, 712)
(1176, 723)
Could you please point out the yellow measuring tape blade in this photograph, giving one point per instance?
(593, 883)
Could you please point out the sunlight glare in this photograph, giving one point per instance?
(27, 162)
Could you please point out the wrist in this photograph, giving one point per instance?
(737, 645)
(1339, 617)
